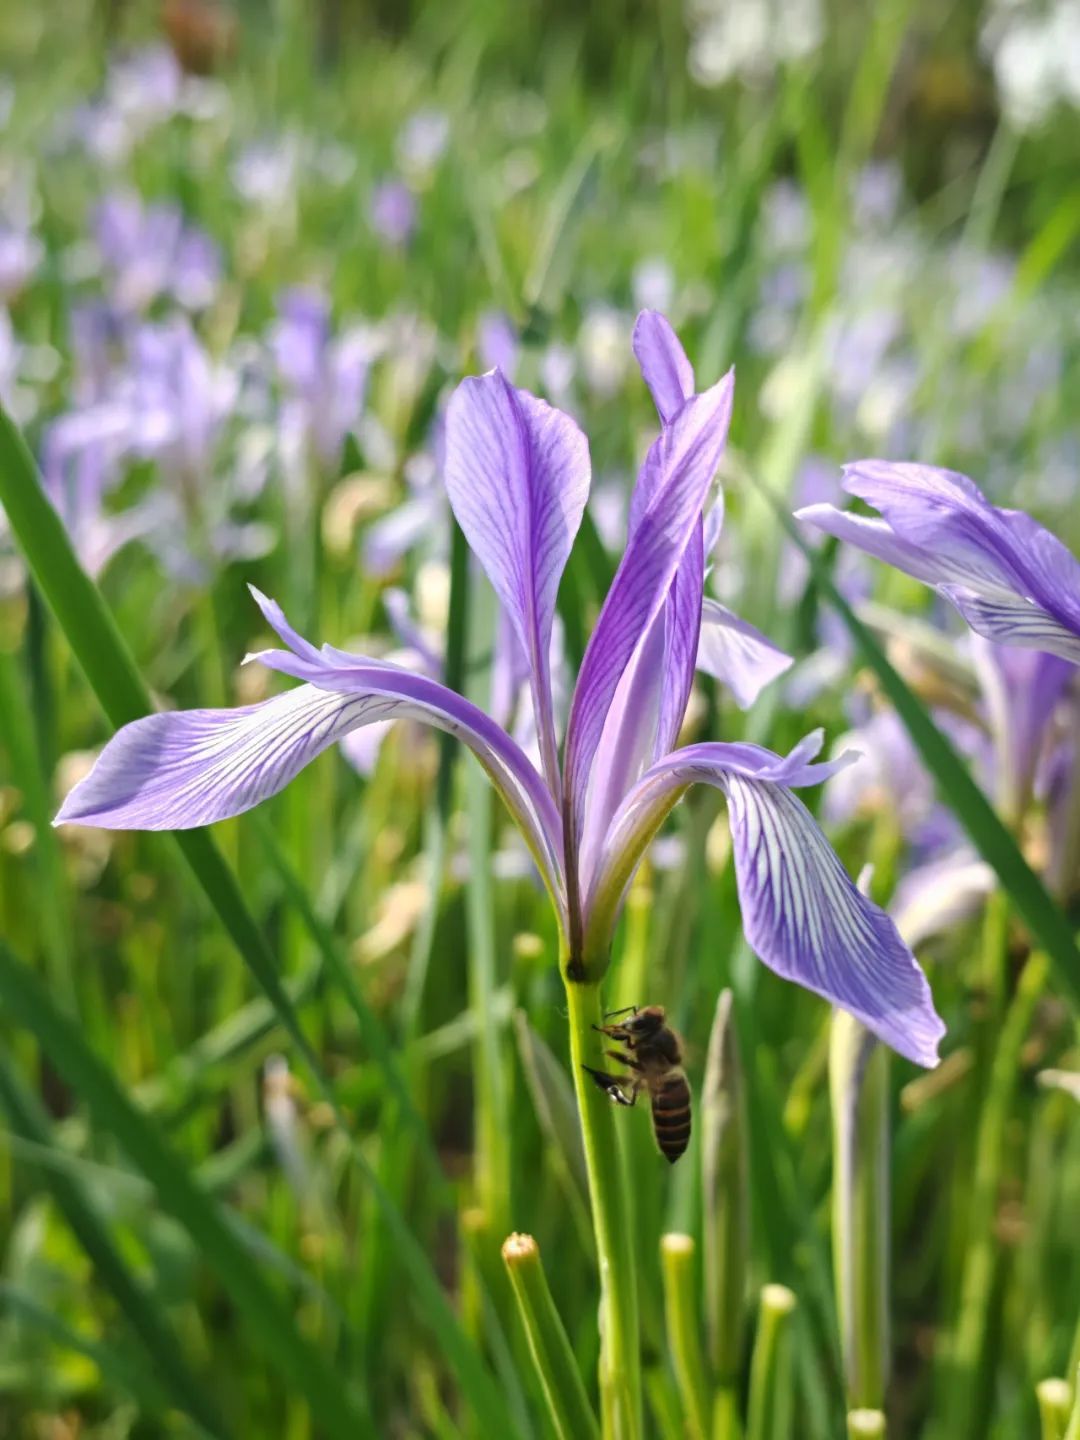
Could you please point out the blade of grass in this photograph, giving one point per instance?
(148, 1322)
(990, 837)
(113, 1365)
(305, 1369)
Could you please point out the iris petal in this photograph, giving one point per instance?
(182, 769)
(1012, 581)
(517, 473)
(801, 912)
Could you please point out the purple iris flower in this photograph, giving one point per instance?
(149, 251)
(324, 377)
(517, 474)
(392, 212)
(1011, 580)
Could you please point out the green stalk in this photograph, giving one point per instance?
(965, 1380)
(859, 1082)
(771, 1404)
(725, 1214)
(1072, 1432)
(620, 1360)
(1055, 1401)
(683, 1330)
(556, 1367)
(866, 1425)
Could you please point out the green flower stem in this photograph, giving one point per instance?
(771, 1370)
(556, 1366)
(684, 1331)
(620, 1361)
(1055, 1401)
(964, 1381)
(1073, 1430)
(859, 1085)
(724, 1201)
(726, 1423)
(866, 1425)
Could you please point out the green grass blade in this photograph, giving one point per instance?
(114, 1366)
(959, 791)
(305, 1370)
(149, 1324)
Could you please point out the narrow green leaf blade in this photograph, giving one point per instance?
(304, 1368)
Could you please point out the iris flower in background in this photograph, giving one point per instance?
(149, 251)
(324, 378)
(1011, 580)
(517, 473)
(392, 212)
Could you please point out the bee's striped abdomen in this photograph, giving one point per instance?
(671, 1115)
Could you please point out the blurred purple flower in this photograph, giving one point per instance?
(21, 253)
(422, 140)
(517, 474)
(393, 212)
(324, 379)
(497, 345)
(148, 251)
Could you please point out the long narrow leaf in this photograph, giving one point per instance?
(306, 1370)
(145, 1317)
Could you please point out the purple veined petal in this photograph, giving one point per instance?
(682, 630)
(189, 768)
(1009, 620)
(737, 654)
(684, 460)
(186, 768)
(626, 746)
(1011, 579)
(802, 915)
(664, 366)
(517, 474)
(875, 537)
(421, 698)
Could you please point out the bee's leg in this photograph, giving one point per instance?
(623, 1059)
(613, 1085)
(613, 1032)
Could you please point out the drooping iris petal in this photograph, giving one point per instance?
(186, 768)
(683, 462)
(664, 366)
(801, 912)
(1013, 581)
(737, 654)
(517, 473)
(189, 768)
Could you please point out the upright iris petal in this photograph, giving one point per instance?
(517, 473)
(1012, 581)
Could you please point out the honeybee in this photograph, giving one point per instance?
(654, 1056)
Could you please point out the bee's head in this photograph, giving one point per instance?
(649, 1021)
